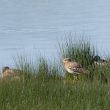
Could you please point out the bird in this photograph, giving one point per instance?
(8, 72)
(98, 61)
(73, 67)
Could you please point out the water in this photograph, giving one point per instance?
(34, 26)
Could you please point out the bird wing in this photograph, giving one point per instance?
(74, 65)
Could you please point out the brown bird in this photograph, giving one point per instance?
(73, 67)
(8, 72)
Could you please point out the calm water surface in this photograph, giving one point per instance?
(35, 26)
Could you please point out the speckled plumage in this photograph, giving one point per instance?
(72, 67)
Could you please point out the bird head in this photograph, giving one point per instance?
(5, 68)
(66, 60)
(96, 58)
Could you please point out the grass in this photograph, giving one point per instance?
(36, 94)
(42, 87)
(81, 51)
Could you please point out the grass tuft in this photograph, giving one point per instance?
(81, 51)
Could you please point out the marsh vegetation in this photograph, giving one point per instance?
(42, 86)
